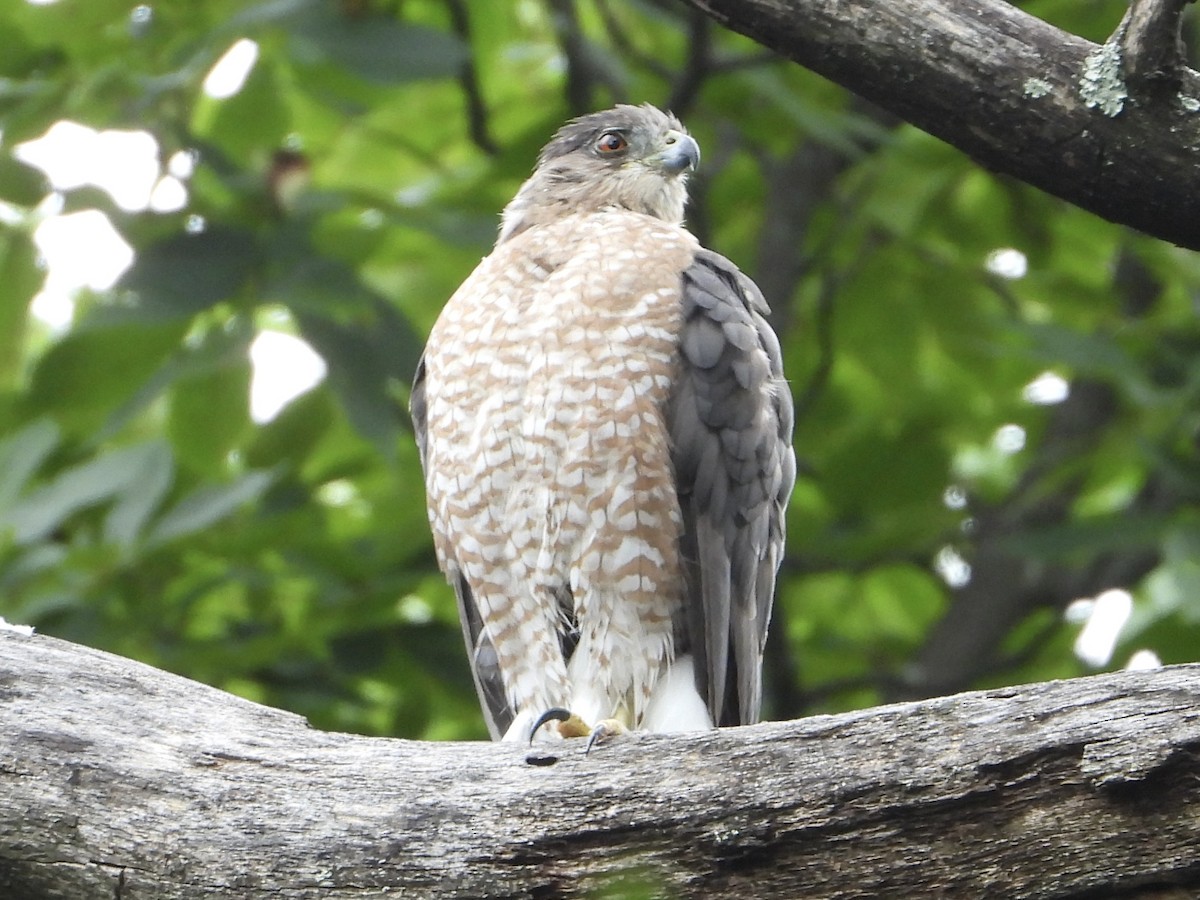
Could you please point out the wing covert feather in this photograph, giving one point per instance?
(730, 421)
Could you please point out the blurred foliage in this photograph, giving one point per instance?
(356, 178)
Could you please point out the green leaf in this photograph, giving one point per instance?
(141, 496)
(292, 434)
(209, 415)
(20, 279)
(358, 376)
(1173, 588)
(183, 275)
(22, 454)
(903, 601)
(215, 350)
(1094, 354)
(20, 183)
(268, 12)
(207, 505)
(106, 477)
(251, 125)
(376, 47)
(83, 377)
(1080, 540)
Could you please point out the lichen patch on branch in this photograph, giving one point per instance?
(1037, 87)
(1102, 84)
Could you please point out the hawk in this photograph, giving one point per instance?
(605, 433)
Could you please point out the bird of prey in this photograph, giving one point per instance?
(606, 438)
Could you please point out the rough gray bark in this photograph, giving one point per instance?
(1112, 128)
(118, 780)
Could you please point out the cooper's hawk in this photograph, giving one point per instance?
(606, 437)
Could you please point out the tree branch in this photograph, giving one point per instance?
(1151, 43)
(696, 69)
(468, 78)
(1015, 93)
(121, 780)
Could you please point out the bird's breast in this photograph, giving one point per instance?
(548, 376)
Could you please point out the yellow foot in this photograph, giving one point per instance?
(604, 729)
(570, 725)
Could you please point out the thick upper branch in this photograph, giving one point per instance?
(112, 773)
(1019, 95)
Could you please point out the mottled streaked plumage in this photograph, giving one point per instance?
(605, 432)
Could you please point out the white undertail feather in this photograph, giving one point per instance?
(676, 705)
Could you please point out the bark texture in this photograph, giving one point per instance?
(1113, 128)
(118, 780)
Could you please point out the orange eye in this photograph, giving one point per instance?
(611, 142)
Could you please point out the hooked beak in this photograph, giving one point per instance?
(681, 153)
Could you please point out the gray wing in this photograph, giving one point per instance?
(730, 419)
(485, 667)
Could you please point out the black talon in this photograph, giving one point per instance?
(554, 714)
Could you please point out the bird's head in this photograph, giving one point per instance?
(627, 157)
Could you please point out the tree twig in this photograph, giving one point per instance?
(697, 67)
(477, 117)
(1151, 42)
(624, 43)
